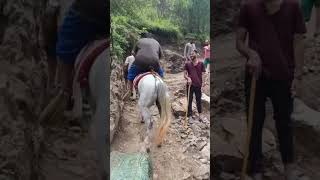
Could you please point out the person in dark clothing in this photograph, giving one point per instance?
(148, 53)
(275, 58)
(85, 21)
(194, 70)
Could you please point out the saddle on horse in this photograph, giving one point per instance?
(140, 76)
(87, 58)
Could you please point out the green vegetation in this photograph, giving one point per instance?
(170, 19)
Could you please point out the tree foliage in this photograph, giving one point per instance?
(171, 19)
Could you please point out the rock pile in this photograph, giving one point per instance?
(195, 138)
(175, 61)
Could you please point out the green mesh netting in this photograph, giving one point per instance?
(130, 166)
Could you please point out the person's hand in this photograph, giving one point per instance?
(254, 63)
(296, 87)
(189, 81)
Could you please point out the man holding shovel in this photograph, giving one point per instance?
(274, 63)
(194, 71)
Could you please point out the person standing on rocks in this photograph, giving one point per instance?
(206, 50)
(188, 49)
(194, 70)
(148, 53)
(127, 65)
(275, 57)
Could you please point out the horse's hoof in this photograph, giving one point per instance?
(148, 150)
(159, 145)
(142, 121)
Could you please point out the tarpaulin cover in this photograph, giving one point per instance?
(135, 166)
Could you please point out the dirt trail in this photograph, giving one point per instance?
(175, 159)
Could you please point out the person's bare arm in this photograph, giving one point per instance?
(298, 54)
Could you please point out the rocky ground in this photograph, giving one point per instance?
(185, 152)
(29, 151)
(229, 127)
(22, 78)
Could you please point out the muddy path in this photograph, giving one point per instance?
(229, 127)
(180, 156)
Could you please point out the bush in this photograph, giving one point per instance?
(124, 35)
(126, 32)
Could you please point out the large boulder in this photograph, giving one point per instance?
(229, 140)
(205, 101)
(307, 125)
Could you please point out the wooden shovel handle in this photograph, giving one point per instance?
(250, 122)
(186, 118)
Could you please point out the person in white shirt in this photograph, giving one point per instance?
(188, 49)
(127, 64)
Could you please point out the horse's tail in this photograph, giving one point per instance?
(165, 114)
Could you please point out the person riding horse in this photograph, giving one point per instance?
(84, 22)
(148, 53)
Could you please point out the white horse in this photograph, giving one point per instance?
(92, 105)
(151, 88)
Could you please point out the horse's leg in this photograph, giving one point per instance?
(148, 120)
(149, 125)
(98, 83)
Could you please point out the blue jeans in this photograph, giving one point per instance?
(134, 71)
(74, 34)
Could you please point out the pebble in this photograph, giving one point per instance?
(184, 150)
(186, 176)
(204, 161)
(201, 145)
(183, 136)
(202, 172)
